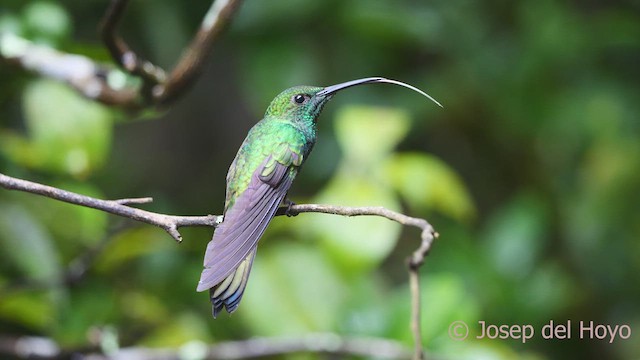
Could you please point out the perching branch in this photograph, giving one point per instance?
(108, 85)
(171, 224)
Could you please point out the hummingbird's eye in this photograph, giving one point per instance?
(300, 98)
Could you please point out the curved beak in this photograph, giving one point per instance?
(329, 90)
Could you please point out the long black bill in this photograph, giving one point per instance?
(372, 80)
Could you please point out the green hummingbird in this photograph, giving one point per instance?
(257, 182)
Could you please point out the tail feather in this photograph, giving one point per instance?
(228, 293)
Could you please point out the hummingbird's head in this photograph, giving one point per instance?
(298, 102)
(304, 103)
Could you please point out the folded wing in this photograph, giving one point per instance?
(245, 221)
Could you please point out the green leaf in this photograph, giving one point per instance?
(183, 328)
(18, 148)
(356, 244)
(66, 132)
(366, 134)
(9, 23)
(426, 182)
(549, 291)
(73, 226)
(27, 244)
(367, 311)
(292, 290)
(33, 310)
(94, 304)
(129, 245)
(46, 21)
(414, 24)
(144, 308)
(516, 235)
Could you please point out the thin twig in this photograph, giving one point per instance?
(136, 201)
(414, 286)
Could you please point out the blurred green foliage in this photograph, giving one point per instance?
(76, 152)
(530, 174)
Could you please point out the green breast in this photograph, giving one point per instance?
(269, 137)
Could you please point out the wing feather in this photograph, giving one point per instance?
(245, 222)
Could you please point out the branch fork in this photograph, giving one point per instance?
(89, 78)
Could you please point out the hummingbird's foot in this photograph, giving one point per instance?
(288, 203)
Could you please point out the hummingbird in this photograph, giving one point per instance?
(258, 181)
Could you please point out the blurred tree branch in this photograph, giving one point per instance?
(159, 88)
(327, 343)
(171, 223)
(92, 80)
(107, 85)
